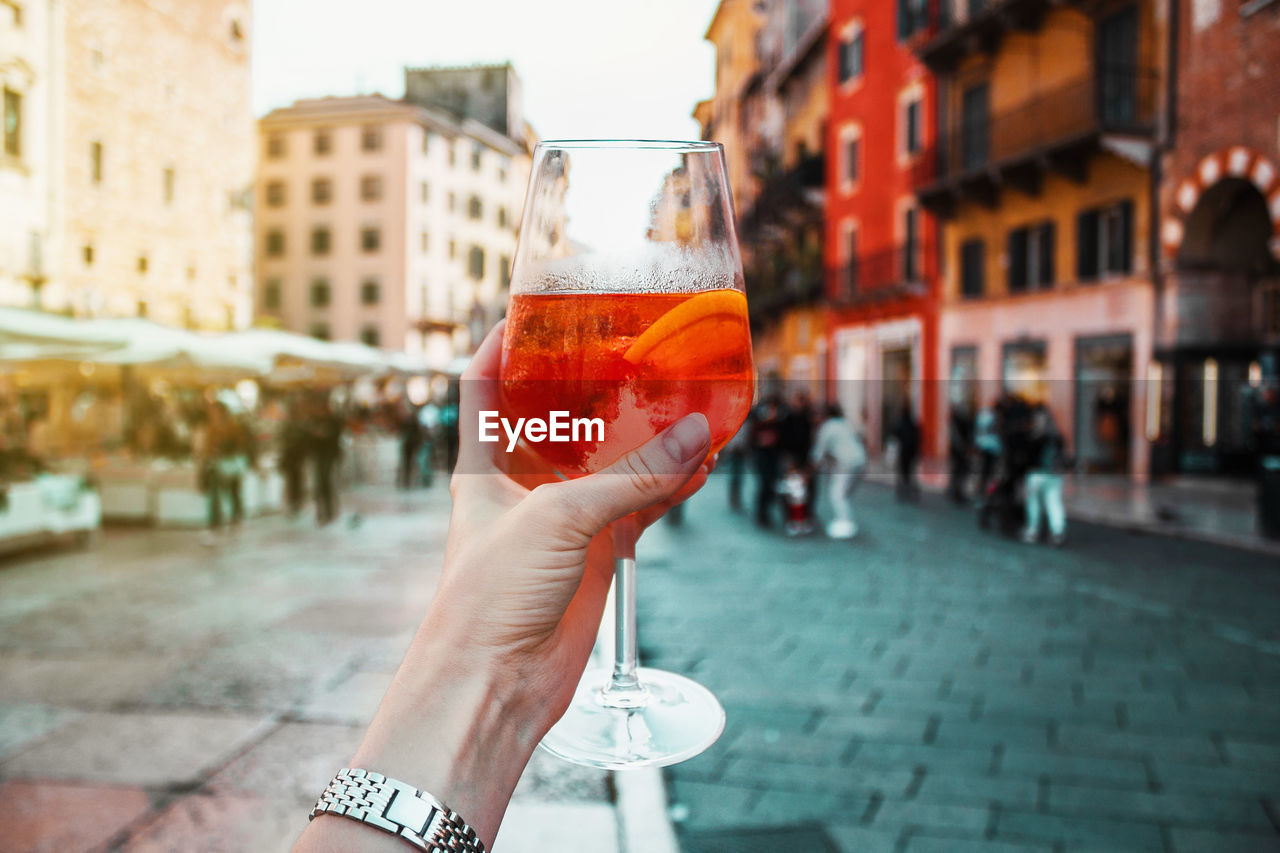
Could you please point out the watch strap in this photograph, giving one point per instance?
(397, 808)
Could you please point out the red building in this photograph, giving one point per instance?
(880, 247)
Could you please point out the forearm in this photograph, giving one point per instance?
(448, 726)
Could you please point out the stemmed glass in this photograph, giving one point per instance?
(627, 306)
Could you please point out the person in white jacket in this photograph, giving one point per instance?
(838, 450)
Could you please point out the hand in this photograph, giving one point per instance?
(527, 568)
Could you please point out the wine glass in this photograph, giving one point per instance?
(627, 307)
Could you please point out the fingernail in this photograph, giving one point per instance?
(688, 437)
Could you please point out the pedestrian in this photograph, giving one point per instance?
(1044, 479)
(986, 441)
(766, 451)
(796, 428)
(293, 456)
(959, 449)
(410, 443)
(735, 456)
(467, 707)
(223, 447)
(326, 450)
(906, 433)
(839, 453)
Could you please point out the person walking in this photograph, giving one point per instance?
(410, 443)
(1044, 479)
(293, 457)
(224, 450)
(986, 440)
(959, 447)
(766, 441)
(735, 455)
(839, 453)
(906, 432)
(326, 438)
(796, 428)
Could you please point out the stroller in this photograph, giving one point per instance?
(1004, 505)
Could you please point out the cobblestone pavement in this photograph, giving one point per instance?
(927, 687)
(160, 696)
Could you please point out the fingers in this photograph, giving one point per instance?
(648, 475)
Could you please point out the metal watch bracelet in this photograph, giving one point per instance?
(399, 809)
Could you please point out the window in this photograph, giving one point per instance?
(321, 240)
(371, 138)
(426, 141)
(425, 241)
(320, 331)
(275, 194)
(452, 202)
(910, 244)
(167, 182)
(851, 260)
(1031, 257)
(370, 239)
(143, 264)
(911, 18)
(1104, 241)
(475, 208)
(504, 271)
(911, 130)
(321, 191)
(321, 293)
(369, 336)
(322, 142)
(235, 31)
(371, 187)
(274, 242)
(972, 268)
(502, 217)
(95, 162)
(850, 57)
(12, 123)
(424, 191)
(852, 159)
(477, 150)
(453, 153)
(475, 263)
(275, 146)
(453, 249)
(973, 127)
(370, 292)
(271, 294)
(87, 254)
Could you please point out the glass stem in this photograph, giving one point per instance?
(624, 689)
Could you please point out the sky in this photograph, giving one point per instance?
(590, 68)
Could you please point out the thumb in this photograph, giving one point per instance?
(646, 476)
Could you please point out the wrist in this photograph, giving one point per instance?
(453, 726)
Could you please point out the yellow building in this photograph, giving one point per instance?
(733, 31)
(1043, 186)
(156, 162)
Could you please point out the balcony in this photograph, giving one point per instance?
(790, 197)
(975, 26)
(1055, 131)
(880, 276)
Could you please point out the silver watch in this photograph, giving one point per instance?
(398, 808)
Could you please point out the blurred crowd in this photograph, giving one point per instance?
(807, 461)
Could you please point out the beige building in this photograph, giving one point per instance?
(155, 161)
(385, 222)
(29, 33)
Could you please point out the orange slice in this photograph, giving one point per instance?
(700, 330)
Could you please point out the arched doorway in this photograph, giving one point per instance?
(1226, 279)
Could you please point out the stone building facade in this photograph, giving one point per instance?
(1218, 276)
(385, 222)
(156, 162)
(29, 38)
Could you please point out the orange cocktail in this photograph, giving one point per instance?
(638, 361)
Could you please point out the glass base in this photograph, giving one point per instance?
(678, 719)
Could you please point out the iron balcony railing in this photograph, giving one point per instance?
(1107, 101)
(897, 271)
